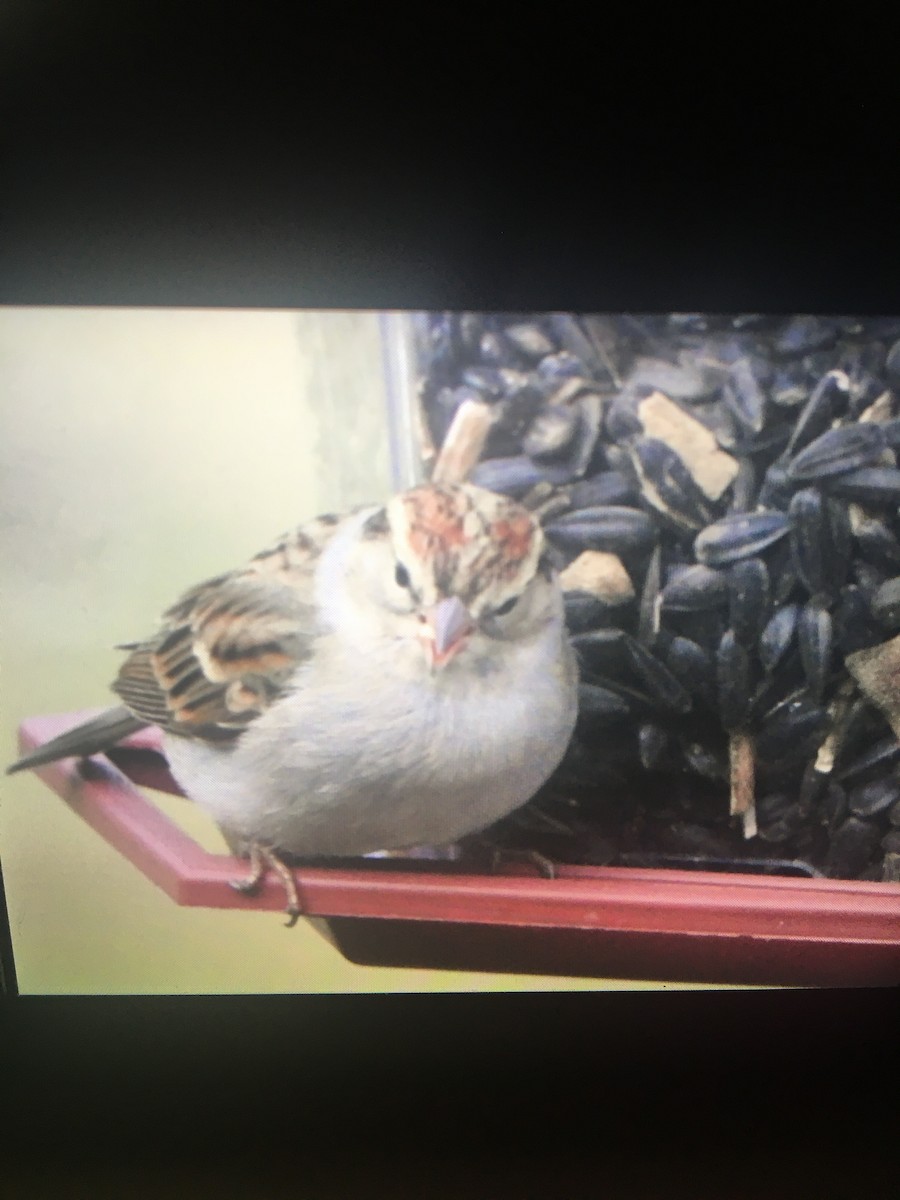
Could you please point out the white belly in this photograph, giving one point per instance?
(331, 772)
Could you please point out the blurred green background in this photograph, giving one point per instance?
(143, 450)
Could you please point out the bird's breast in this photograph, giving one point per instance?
(349, 764)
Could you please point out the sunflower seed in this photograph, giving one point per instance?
(883, 756)
(696, 589)
(745, 397)
(808, 539)
(606, 488)
(512, 476)
(601, 704)
(657, 678)
(733, 676)
(709, 466)
(603, 528)
(653, 743)
(584, 611)
(827, 401)
(551, 433)
(802, 335)
(871, 485)
(789, 730)
(748, 599)
(739, 536)
(815, 635)
(667, 485)
(692, 667)
(870, 799)
(777, 636)
(852, 845)
(837, 452)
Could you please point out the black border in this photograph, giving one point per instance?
(146, 165)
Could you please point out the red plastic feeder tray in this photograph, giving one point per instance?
(618, 922)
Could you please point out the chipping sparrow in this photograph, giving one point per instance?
(400, 676)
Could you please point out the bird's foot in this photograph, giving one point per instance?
(532, 857)
(262, 860)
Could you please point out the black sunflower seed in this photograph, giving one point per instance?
(872, 485)
(790, 730)
(789, 388)
(739, 536)
(604, 488)
(808, 539)
(584, 611)
(693, 667)
(852, 845)
(602, 703)
(695, 589)
(551, 433)
(668, 486)
(783, 573)
(837, 452)
(877, 796)
(776, 489)
(839, 538)
(833, 808)
(803, 335)
(855, 626)
(653, 743)
(876, 544)
(744, 396)
(748, 599)
(658, 680)
(745, 487)
(873, 762)
(733, 677)
(513, 476)
(772, 805)
(611, 528)
(815, 636)
(777, 636)
(600, 651)
(827, 401)
(573, 339)
(784, 826)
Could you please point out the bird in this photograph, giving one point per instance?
(394, 677)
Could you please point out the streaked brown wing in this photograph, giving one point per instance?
(228, 647)
(213, 669)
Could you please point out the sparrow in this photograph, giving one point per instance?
(395, 677)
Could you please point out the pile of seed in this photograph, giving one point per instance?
(722, 495)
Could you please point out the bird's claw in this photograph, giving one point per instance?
(534, 858)
(263, 859)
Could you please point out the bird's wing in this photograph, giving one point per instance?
(227, 649)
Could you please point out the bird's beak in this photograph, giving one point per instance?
(445, 629)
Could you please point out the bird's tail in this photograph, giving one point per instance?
(93, 736)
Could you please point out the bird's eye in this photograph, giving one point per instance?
(506, 607)
(401, 575)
